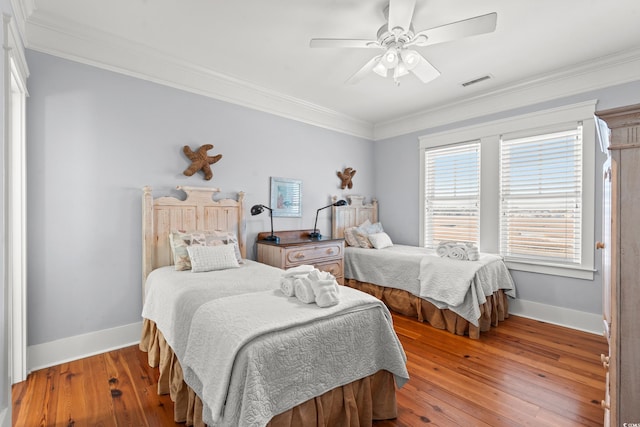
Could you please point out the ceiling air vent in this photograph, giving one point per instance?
(478, 80)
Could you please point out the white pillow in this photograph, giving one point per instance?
(209, 258)
(380, 240)
(371, 228)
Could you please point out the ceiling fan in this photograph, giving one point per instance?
(397, 39)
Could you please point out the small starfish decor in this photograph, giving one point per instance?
(200, 160)
(345, 178)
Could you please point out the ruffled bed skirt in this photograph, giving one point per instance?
(495, 310)
(355, 404)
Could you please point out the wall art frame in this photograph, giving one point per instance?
(286, 197)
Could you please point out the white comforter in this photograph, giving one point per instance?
(460, 286)
(268, 352)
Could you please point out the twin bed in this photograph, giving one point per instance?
(463, 297)
(233, 350)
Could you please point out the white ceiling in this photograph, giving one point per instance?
(256, 53)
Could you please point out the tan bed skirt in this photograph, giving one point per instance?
(495, 310)
(354, 404)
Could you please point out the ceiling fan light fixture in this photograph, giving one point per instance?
(390, 58)
(410, 58)
(380, 69)
(400, 70)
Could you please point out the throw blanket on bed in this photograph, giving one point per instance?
(401, 267)
(281, 352)
(463, 286)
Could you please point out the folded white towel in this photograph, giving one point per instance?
(473, 253)
(442, 250)
(299, 270)
(326, 292)
(320, 275)
(458, 252)
(287, 287)
(304, 291)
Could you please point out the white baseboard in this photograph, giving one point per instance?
(77, 347)
(574, 319)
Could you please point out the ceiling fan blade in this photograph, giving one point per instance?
(424, 70)
(400, 14)
(343, 43)
(366, 69)
(456, 30)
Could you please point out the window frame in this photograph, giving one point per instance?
(489, 136)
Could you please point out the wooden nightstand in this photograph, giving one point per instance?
(296, 248)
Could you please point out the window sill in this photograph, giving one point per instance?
(577, 272)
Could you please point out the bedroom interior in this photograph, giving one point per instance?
(100, 103)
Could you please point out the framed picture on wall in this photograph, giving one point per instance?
(286, 197)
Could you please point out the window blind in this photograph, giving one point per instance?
(541, 197)
(452, 194)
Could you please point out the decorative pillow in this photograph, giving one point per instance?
(363, 239)
(181, 240)
(371, 228)
(209, 258)
(350, 237)
(380, 240)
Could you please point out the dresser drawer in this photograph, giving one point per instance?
(312, 254)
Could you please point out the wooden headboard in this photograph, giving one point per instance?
(198, 211)
(351, 215)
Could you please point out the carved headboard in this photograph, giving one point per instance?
(351, 215)
(198, 211)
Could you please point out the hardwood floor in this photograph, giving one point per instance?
(522, 373)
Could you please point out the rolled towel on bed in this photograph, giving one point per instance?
(458, 252)
(326, 292)
(473, 253)
(442, 250)
(287, 286)
(303, 290)
(299, 270)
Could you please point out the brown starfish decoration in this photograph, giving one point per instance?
(200, 160)
(345, 178)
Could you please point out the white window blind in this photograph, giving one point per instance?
(452, 194)
(541, 197)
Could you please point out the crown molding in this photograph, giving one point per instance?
(611, 70)
(22, 10)
(107, 51)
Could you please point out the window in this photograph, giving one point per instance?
(534, 192)
(541, 197)
(452, 194)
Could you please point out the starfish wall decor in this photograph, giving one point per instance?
(200, 160)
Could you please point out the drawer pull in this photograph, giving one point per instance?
(599, 245)
(604, 404)
(299, 255)
(605, 361)
(329, 251)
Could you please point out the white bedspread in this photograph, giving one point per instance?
(274, 352)
(173, 296)
(460, 286)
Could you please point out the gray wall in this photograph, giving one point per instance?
(397, 165)
(95, 138)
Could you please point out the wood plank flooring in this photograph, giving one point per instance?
(523, 373)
